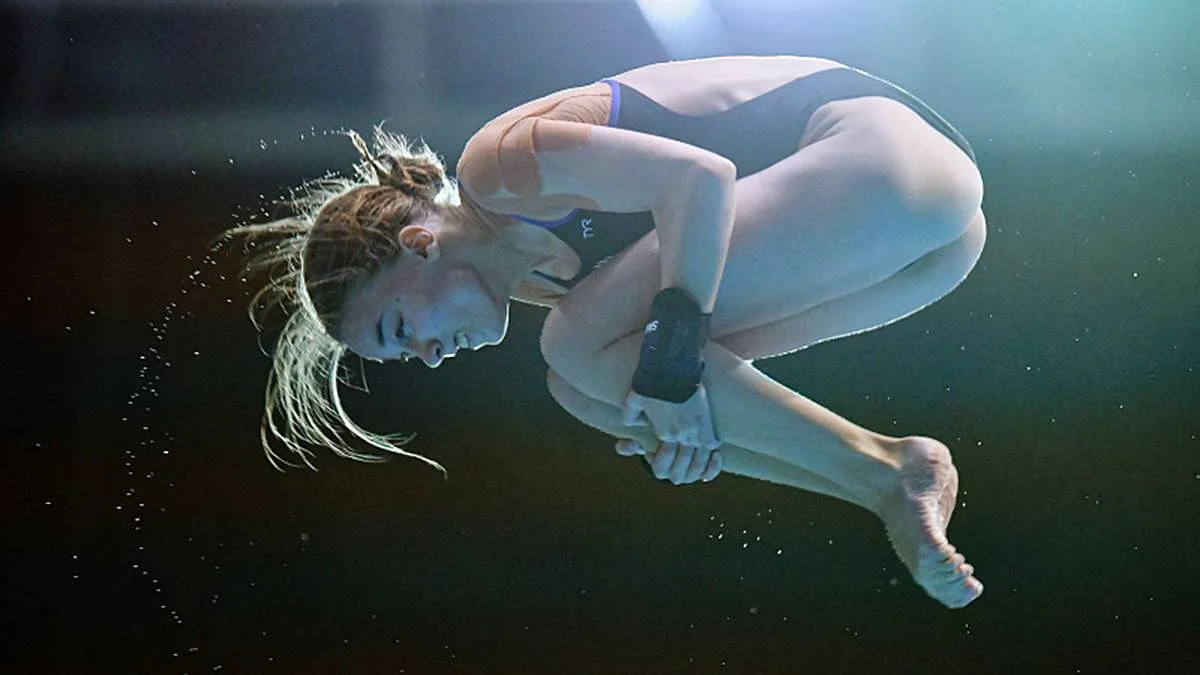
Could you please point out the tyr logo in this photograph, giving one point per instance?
(588, 230)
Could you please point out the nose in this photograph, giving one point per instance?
(433, 351)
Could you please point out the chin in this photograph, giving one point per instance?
(501, 322)
(498, 336)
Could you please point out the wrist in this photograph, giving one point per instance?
(670, 364)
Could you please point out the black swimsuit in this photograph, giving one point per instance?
(753, 135)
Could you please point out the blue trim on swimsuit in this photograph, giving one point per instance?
(615, 110)
(548, 224)
(613, 113)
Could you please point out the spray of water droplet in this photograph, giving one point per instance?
(150, 462)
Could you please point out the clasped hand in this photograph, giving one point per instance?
(688, 423)
(680, 464)
(688, 449)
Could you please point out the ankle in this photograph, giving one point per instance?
(882, 487)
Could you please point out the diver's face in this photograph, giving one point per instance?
(423, 307)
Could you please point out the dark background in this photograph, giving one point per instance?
(146, 532)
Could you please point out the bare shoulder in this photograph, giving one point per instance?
(498, 163)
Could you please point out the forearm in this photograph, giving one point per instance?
(606, 418)
(694, 227)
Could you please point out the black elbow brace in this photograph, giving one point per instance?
(670, 365)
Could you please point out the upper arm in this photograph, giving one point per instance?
(537, 163)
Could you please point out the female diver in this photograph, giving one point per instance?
(681, 221)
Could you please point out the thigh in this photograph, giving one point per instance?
(841, 214)
(910, 290)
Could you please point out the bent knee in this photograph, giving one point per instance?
(948, 201)
(920, 173)
(555, 343)
(560, 390)
(940, 187)
(582, 407)
(973, 240)
(567, 347)
(944, 269)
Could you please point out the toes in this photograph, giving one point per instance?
(970, 591)
(976, 587)
(948, 568)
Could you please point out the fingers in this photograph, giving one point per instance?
(662, 460)
(716, 462)
(627, 447)
(685, 456)
(697, 466)
(683, 464)
(680, 463)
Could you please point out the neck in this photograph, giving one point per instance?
(503, 249)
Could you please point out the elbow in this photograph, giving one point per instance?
(721, 170)
(728, 170)
(700, 187)
(705, 184)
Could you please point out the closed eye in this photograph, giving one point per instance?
(382, 338)
(379, 334)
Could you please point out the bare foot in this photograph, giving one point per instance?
(916, 520)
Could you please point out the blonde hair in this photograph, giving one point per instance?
(341, 230)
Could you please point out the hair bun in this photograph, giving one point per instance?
(414, 174)
(413, 177)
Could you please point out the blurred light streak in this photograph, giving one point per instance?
(686, 28)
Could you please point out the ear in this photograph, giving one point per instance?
(419, 240)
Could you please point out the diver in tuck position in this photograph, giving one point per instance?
(682, 220)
